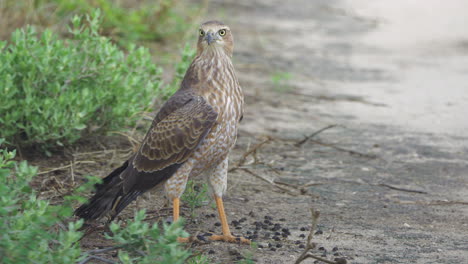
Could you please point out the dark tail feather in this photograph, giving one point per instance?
(109, 198)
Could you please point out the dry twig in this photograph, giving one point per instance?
(300, 143)
(252, 151)
(399, 188)
(311, 245)
(436, 202)
(352, 152)
(268, 180)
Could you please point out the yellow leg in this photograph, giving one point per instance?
(175, 209)
(226, 236)
(175, 216)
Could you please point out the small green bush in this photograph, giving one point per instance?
(26, 223)
(195, 195)
(53, 92)
(145, 244)
(30, 233)
(126, 21)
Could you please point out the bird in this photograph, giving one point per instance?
(191, 135)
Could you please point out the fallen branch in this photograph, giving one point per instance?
(300, 143)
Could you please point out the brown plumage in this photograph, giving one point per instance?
(191, 135)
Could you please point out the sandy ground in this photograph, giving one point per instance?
(389, 178)
(393, 92)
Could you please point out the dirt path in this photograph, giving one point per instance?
(389, 193)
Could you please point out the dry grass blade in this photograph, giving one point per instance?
(66, 166)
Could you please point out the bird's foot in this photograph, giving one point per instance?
(193, 239)
(230, 239)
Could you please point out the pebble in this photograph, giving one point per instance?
(301, 246)
(335, 249)
(302, 235)
(217, 224)
(319, 232)
(340, 261)
(211, 251)
(303, 229)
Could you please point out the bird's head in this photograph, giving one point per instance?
(215, 36)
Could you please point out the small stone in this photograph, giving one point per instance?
(297, 242)
(211, 251)
(335, 249)
(301, 246)
(302, 235)
(303, 229)
(273, 249)
(213, 215)
(319, 232)
(282, 219)
(279, 245)
(217, 224)
(262, 244)
(340, 261)
(321, 248)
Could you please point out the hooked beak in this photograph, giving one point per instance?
(210, 38)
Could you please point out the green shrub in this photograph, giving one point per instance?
(26, 223)
(145, 244)
(125, 21)
(54, 92)
(29, 230)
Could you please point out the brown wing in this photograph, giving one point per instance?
(173, 138)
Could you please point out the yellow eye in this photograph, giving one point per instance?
(222, 32)
(202, 33)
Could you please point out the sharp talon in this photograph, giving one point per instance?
(230, 239)
(201, 238)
